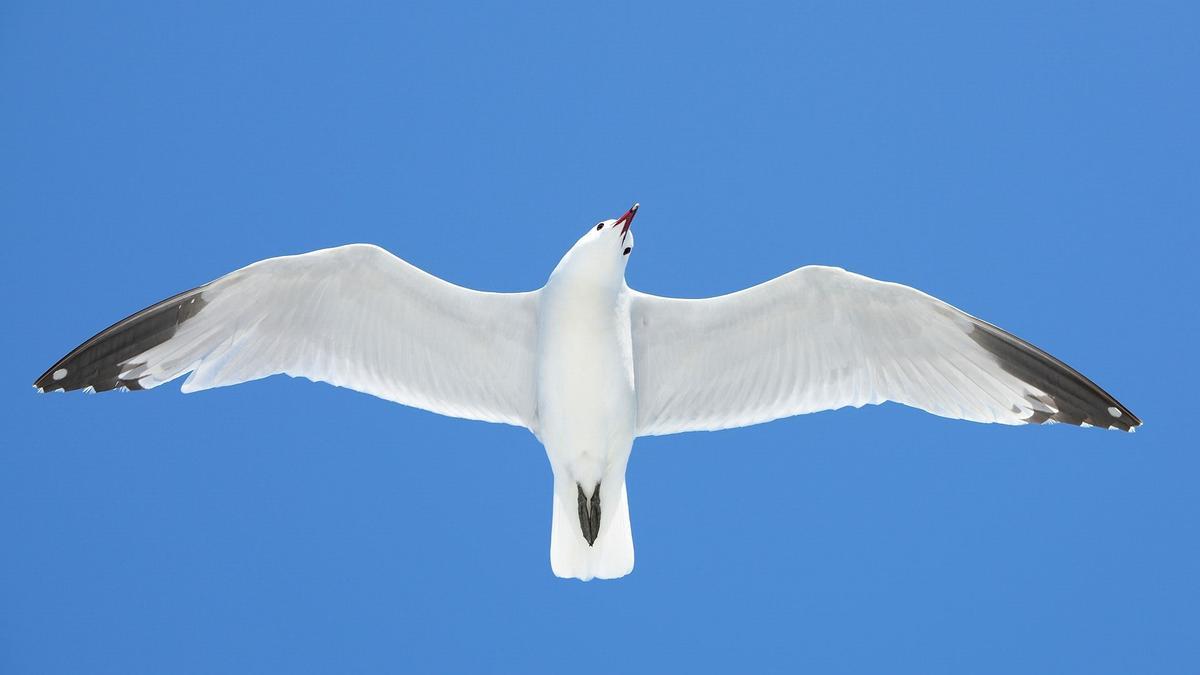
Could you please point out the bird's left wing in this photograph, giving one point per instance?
(820, 338)
(353, 316)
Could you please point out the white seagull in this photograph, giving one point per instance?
(587, 363)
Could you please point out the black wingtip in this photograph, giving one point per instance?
(96, 365)
(1074, 398)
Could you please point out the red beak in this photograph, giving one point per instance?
(626, 220)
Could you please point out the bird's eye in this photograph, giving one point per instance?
(627, 250)
(599, 226)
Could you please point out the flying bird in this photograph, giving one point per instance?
(587, 363)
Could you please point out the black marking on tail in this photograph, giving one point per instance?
(98, 363)
(589, 514)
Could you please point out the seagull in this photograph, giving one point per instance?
(586, 363)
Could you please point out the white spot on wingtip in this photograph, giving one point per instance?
(1115, 412)
(59, 374)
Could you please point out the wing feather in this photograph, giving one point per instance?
(353, 316)
(821, 338)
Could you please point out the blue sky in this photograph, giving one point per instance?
(1034, 165)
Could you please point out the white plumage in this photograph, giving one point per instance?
(359, 317)
(817, 338)
(586, 363)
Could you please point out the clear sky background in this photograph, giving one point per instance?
(1036, 166)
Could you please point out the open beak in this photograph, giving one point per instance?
(626, 220)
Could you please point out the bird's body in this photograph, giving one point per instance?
(587, 412)
(586, 363)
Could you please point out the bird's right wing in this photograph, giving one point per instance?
(354, 316)
(820, 338)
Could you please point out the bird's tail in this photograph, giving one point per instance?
(609, 557)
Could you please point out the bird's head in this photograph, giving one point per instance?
(602, 252)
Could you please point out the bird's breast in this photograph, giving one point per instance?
(586, 403)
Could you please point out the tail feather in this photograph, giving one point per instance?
(610, 557)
